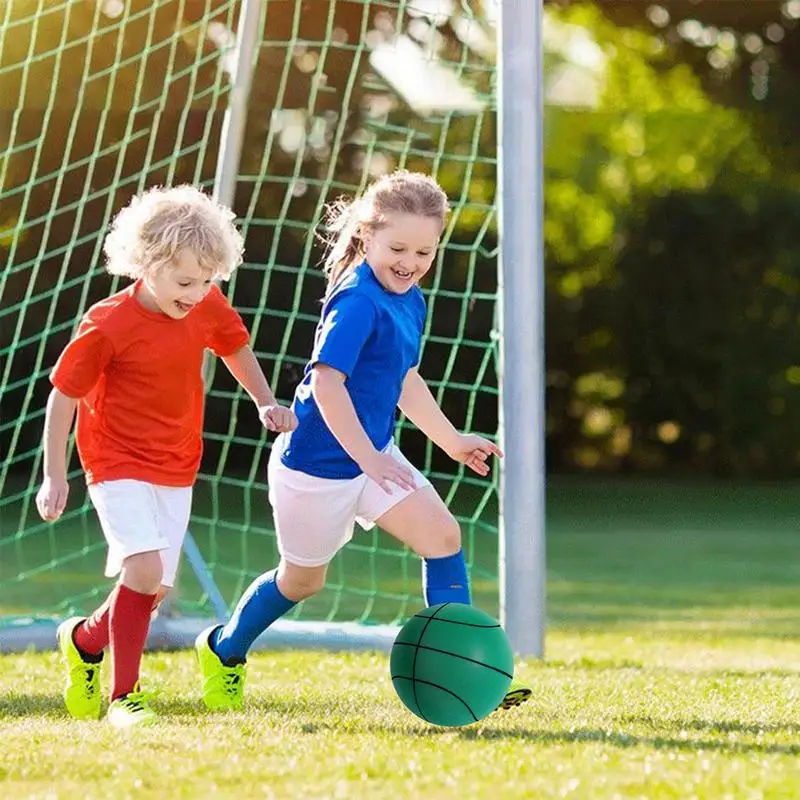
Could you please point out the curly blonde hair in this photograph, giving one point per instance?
(155, 226)
(346, 221)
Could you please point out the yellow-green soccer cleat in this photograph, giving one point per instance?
(82, 689)
(132, 710)
(516, 695)
(223, 686)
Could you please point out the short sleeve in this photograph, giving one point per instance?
(347, 321)
(226, 332)
(83, 361)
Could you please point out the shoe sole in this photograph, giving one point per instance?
(515, 698)
(140, 723)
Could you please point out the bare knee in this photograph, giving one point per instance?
(142, 572)
(299, 583)
(424, 523)
(444, 538)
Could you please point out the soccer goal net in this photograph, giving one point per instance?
(100, 99)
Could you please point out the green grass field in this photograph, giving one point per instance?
(672, 671)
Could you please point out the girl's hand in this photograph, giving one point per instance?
(51, 499)
(277, 418)
(474, 451)
(385, 470)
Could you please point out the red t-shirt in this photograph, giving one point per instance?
(138, 377)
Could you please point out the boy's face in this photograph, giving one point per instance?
(402, 251)
(176, 290)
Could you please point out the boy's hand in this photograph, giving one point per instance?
(51, 499)
(277, 418)
(474, 451)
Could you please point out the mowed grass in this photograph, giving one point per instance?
(672, 670)
(612, 716)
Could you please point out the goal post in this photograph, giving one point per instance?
(100, 99)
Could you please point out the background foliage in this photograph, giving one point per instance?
(672, 259)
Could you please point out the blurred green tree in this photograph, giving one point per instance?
(669, 185)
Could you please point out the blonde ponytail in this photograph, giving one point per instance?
(343, 240)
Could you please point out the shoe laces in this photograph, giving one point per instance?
(232, 679)
(85, 675)
(138, 700)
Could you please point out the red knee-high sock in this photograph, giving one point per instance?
(91, 636)
(128, 623)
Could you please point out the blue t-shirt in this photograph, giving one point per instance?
(374, 337)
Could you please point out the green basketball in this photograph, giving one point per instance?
(451, 664)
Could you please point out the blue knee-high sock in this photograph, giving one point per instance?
(444, 580)
(256, 610)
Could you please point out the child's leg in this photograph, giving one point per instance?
(422, 522)
(91, 637)
(131, 519)
(313, 518)
(129, 619)
(267, 599)
(445, 580)
(420, 519)
(222, 650)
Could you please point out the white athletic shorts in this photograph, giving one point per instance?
(314, 517)
(138, 517)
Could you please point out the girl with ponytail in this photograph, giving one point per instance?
(341, 465)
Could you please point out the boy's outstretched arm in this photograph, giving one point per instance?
(244, 366)
(420, 406)
(51, 499)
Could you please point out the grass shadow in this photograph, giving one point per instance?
(626, 741)
(716, 726)
(484, 731)
(177, 706)
(32, 705)
(608, 665)
(673, 743)
(587, 664)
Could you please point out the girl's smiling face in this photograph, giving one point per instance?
(401, 251)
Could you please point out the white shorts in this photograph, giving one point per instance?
(314, 517)
(138, 517)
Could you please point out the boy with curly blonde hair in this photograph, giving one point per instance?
(133, 371)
